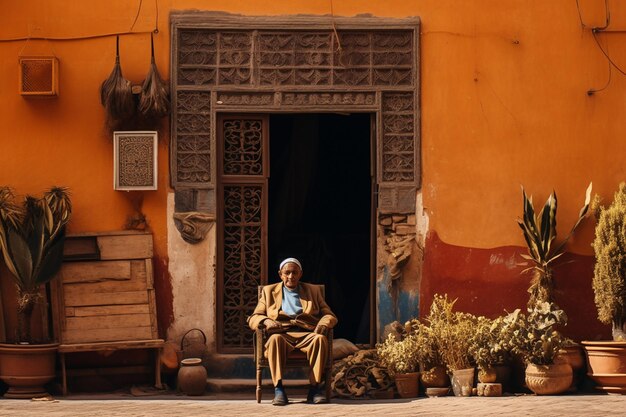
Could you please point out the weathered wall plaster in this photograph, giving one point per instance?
(192, 271)
(400, 257)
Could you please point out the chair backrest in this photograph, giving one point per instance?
(322, 287)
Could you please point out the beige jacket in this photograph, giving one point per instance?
(271, 300)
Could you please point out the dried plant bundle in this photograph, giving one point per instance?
(154, 102)
(116, 93)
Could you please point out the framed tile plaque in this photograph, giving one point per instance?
(135, 160)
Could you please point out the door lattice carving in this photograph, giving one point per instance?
(242, 246)
(243, 141)
(243, 146)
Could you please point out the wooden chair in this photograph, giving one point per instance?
(295, 359)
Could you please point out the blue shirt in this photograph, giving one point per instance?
(291, 302)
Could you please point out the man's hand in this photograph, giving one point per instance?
(269, 323)
(321, 329)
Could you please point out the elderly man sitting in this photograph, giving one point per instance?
(280, 306)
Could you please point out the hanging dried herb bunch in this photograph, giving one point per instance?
(155, 97)
(116, 94)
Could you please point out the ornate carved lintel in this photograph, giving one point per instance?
(194, 225)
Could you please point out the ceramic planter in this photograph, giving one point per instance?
(407, 384)
(606, 365)
(548, 379)
(463, 382)
(436, 377)
(27, 368)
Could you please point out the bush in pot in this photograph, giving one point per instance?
(609, 278)
(400, 357)
(32, 236)
(606, 360)
(487, 347)
(432, 369)
(535, 338)
(453, 332)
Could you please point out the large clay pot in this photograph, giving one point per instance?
(27, 368)
(435, 377)
(407, 384)
(548, 379)
(192, 376)
(606, 365)
(574, 355)
(462, 382)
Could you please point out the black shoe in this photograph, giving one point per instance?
(280, 396)
(316, 395)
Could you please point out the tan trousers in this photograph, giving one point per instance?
(279, 345)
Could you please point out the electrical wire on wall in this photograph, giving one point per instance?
(99, 35)
(595, 31)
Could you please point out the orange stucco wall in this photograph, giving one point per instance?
(503, 97)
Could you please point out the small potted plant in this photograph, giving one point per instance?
(433, 375)
(487, 348)
(534, 337)
(400, 357)
(453, 332)
(607, 359)
(32, 236)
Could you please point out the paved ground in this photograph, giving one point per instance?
(244, 405)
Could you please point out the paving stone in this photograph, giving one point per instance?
(230, 405)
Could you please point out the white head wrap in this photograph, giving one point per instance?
(290, 260)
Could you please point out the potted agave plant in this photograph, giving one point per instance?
(535, 338)
(606, 360)
(540, 234)
(32, 236)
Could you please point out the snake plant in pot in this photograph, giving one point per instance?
(32, 236)
(540, 234)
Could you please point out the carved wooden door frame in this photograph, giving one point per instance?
(223, 63)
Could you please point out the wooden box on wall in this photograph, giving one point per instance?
(105, 289)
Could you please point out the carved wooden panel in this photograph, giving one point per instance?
(193, 138)
(243, 145)
(398, 141)
(282, 58)
(242, 261)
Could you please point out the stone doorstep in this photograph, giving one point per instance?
(247, 385)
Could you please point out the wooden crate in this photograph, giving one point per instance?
(110, 298)
(103, 298)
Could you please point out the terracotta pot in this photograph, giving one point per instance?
(575, 356)
(435, 377)
(27, 368)
(606, 365)
(192, 376)
(503, 376)
(462, 382)
(407, 384)
(487, 375)
(548, 379)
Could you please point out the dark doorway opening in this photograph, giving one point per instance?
(320, 199)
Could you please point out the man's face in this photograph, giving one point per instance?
(290, 275)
